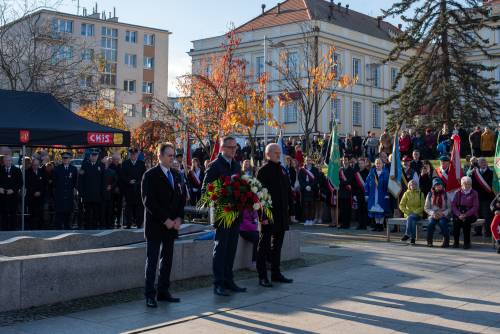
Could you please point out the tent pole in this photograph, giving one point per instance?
(23, 193)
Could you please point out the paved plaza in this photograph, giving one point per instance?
(367, 286)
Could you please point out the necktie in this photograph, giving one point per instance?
(170, 178)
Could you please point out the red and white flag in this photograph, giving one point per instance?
(215, 152)
(455, 170)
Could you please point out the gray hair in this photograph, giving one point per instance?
(466, 179)
(269, 147)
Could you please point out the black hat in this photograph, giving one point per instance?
(95, 151)
(444, 158)
(66, 155)
(133, 150)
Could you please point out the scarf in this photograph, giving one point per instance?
(437, 198)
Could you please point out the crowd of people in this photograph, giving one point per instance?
(105, 191)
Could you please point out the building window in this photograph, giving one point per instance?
(61, 25)
(291, 112)
(131, 60)
(336, 111)
(377, 116)
(88, 54)
(394, 74)
(337, 64)
(292, 63)
(62, 53)
(259, 66)
(356, 113)
(87, 29)
(149, 39)
(146, 110)
(129, 110)
(109, 32)
(109, 46)
(147, 87)
(86, 81)
(356, 68)
(131, 36)
(374, 70)
(129, 85)
(149, 63)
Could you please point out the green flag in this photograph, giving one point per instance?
(334, 159)
(496, 166)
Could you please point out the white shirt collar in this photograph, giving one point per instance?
(164, 169)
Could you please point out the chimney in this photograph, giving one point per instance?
(84, 11)
(400, 26)
(339, 5)
(279, 8)
(379, 19)
(263, 6)
(330, 6)
(114, 11)
(347, 9)
(96, 10)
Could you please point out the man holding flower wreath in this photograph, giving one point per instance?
(226, 237)
(275, 179)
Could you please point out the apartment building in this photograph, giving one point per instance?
(133, 59)
(361, 43)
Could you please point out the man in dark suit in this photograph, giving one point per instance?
(226, 239)
(35, 194)
(65, 181)
(275, 179)
(90, 185)
(164, 207)
(11, 181)
(482, 182)
(132, 172)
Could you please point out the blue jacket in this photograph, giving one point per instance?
(371, 187)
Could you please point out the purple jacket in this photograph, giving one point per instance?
(470, 202)
(249, 223)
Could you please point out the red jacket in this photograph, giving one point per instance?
(404, 144)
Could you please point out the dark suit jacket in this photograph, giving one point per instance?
(35, 183)
(161, 201)
(130, 172)
(65, 182)
(218, 168)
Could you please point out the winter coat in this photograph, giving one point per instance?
(412, 202)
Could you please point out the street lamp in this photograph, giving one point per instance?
(271, 45)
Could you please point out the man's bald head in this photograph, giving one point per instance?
(273, 152)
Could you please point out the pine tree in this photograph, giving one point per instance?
(441, 83)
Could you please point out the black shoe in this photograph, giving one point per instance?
(412, 241)
(234, 288)
(466, 246)
(281, 279)
(220, 291)
(265, 283)
(151, 302)
(167, 297)
(405, 237)
(456, 245)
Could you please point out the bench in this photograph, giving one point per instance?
(422, 222)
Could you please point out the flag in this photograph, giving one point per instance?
(496, 168)
(281, 144)
(455, 170)
(334, 159)
(189, 163)
(215, 152)
(394, 186)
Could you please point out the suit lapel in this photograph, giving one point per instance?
(164, 177)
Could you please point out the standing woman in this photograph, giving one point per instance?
(495, 209)
(195, 179)
(247, 168)
(295, 184)
(376, 194)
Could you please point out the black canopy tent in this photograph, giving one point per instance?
(29, 119)
(39, 120)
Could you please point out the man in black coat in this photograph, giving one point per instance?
(117, 193)
(482, 182)
(90, 185)
(132, 172)
(226, 239)
(275, 179)
(346, 176)
(164, 207)
(11, 182)
(65, 182)
(110, 179)
(36, 183)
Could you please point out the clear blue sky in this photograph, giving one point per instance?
(189, 20)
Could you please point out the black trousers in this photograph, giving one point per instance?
(253, 237)
(34, 206)
(107, 214)
(345, 209)
(8, 212)
(63, 220)
(166, 244)
(270, 243)
(226, 242)
(134, 213)
(465, 225)
(92, 215)
(362, 212)
(117, 202)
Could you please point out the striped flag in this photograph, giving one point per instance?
(394, 186)
(216, 150)
(455, 171)
(334, 159)
(281, 144)
(496, 168)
